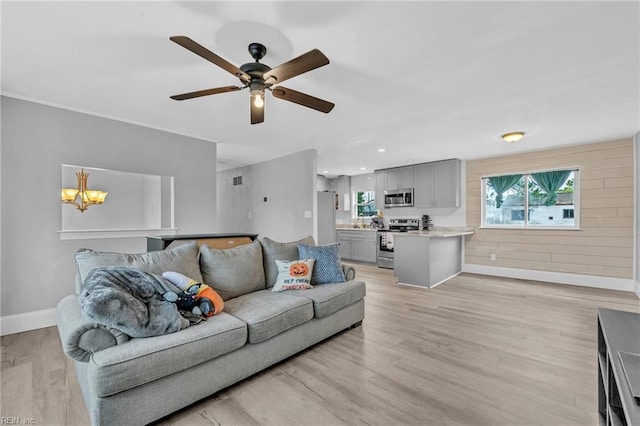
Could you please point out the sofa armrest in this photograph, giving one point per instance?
(80, 337)
(349, 272)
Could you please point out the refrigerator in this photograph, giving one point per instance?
(326, 217)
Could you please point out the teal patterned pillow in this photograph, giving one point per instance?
(327, 268)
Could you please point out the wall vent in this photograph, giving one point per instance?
(237, 180)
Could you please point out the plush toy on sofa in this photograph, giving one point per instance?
(207, 300)
(184, 301)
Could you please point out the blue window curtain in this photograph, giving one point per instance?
(502, 184)
(550, 182)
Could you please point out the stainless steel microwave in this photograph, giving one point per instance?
(398, 198)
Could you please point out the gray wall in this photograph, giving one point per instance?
(289, 183)
(37, 268)
(636, 212)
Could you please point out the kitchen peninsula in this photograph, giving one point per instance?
(428, 258)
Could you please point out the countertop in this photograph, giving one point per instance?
(350, 228)
(433, 233)
(437, 233)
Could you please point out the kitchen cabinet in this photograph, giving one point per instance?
(357, 245)
(399, 178)
(345, 246)
(390, 179)
(342, 187)
(426, 261)
(437, 184)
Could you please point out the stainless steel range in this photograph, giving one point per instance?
(384, 250)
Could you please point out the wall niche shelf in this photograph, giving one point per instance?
(618, 331)
(90, 234)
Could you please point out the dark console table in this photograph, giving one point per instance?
(219, 241)
(618, 332)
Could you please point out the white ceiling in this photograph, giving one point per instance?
(425, 80)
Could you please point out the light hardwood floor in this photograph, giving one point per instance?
(476, 350)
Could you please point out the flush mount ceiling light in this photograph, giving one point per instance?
(513, 136)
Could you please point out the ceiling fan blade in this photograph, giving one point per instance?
(205, 53)
(302, 99)
(309, 61)
(206, 92)
(257, 113)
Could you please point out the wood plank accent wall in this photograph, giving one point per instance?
(603, 246)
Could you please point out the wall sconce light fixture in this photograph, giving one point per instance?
(86, 196)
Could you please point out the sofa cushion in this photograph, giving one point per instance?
(143, 360)
(235, 271)
(330, 298)
(294, 274)
(183, 259)
(273, 250)
(268, 314)
(328, 267)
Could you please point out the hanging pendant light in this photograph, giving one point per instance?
(82, 193)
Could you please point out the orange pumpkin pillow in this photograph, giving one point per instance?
(294, 274)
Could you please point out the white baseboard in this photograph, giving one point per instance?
(608, 283)
(637, 289)
(27, 321)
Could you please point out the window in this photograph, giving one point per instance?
(517, 215)
(550, 198)
(364, 203)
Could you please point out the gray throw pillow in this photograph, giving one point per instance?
(235, 271)
(273, 250)
(183, 259)
(328, 265)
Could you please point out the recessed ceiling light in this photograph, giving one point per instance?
(513, 136)
(325, 171)
(381, 150)
(363, 168)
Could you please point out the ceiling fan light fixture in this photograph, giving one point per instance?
(512, 136)
(258, 99)
(258, 77)
(256, 90)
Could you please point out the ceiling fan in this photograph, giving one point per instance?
(260, 77)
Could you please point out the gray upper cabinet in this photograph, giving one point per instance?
(446, 183)
(406, 177)
(423, 190)
(390, 179)
(437, 184)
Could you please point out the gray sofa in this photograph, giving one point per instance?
(138, 380)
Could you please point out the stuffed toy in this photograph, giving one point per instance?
(184, 301)
(207, 299)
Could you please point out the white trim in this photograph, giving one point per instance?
(27, 321)
(432, 285)
(609, 283)
(637, 289)
(91, 234)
